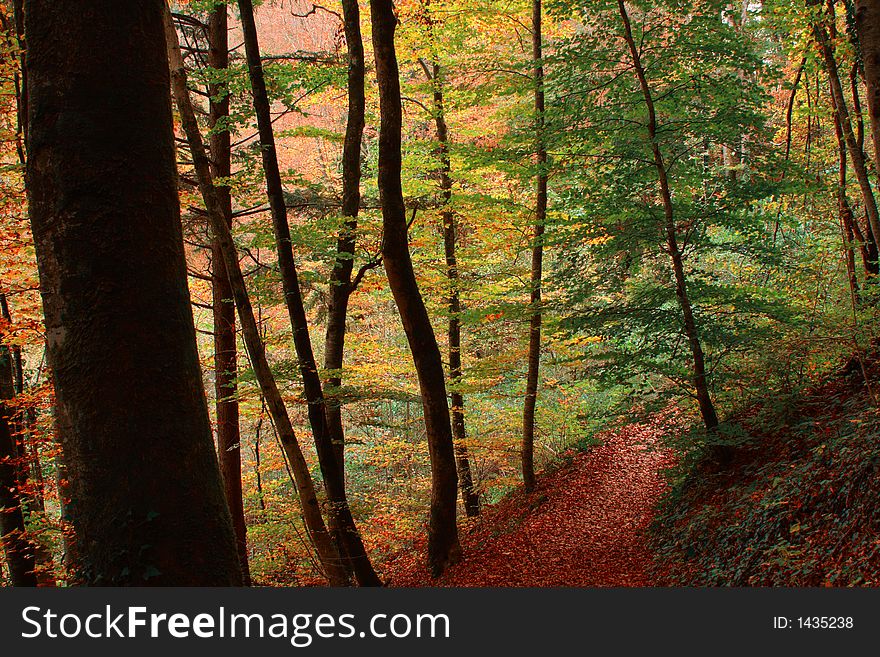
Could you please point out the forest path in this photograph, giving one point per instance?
(582, 526)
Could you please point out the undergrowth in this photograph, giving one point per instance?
(796, 506)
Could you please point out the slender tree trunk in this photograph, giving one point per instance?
(847, 220)
(857, 105)
(340, 277)
(443, 546)
(469, 497)
(857, 154)
(21, 81)
(27, 461)
(22, 427)
(314, 522)
(346, 534)
(700, 380)
(20, 553)
(225, 349)
(534, 354)
(257, 462)
(146, 499)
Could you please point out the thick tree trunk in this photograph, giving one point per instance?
(469, 497)
(340, 277)
(534, 354)
(314, 522)
(20, 553)
(225, 349)
(443, 546)
(868, 30)
(346, 534)
(857, 154)
(146, 499)
(700, 379)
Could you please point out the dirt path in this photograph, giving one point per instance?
(581, 527)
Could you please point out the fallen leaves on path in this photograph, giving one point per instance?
(582, 526)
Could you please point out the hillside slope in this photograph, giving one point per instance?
(798, 506)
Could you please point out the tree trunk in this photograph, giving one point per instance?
(225, 348)
(443, 546)
(856, 152)
(20, 553)
(340, 277)
(868, 29)
(346, 534)
(29, 475)
(700, 380)
(469, 497)
(326, 551)
(146, 499)
(847, 220)
(534, 354)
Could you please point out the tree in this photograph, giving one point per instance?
(20, 553)
(435, 75)
(225, 349)
(341, 283)
(534, 353)
(641, 113)
(327, 552)
(700, 382)
(443, 546)
(146, 498)
(346, 534)
(867, 21)
(841, 109)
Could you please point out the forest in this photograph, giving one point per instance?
(439, 293)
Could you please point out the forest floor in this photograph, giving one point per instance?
(797, 505)
(583, 525)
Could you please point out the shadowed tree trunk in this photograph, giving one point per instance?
(341, 286)
(20, 553)
(146, 499)
(328, 556)
(225, 356)
(700, 380)
(868, 30)
(443, 546)
(345, 532)
(534, 354)
(29, 470)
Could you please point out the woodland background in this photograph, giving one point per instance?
(761, 115)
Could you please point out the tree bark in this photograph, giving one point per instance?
(314, 522)
(146, 499)
(443, 545)
(700, 379)
(225, 348)
(340, 278)
(347, 537)
(535, 319)
(20, 553)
